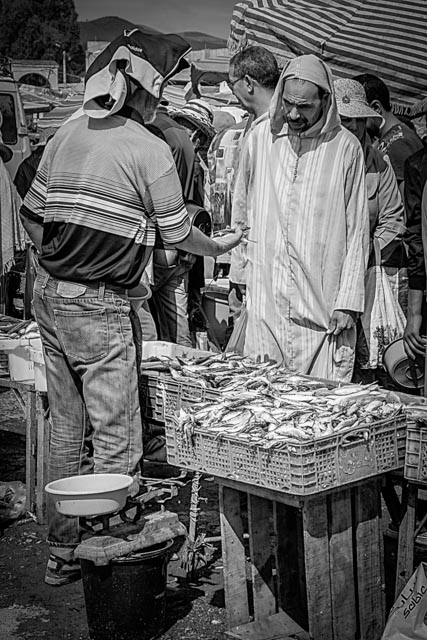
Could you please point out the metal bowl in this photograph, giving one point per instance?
(90, 495)
(404, 371)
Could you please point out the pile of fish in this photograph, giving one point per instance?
(12, 328)
(267, 405)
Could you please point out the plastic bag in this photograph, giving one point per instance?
(383, 319)
(407, 619)
(236, 343)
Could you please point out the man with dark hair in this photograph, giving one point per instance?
(104, 187)
(395, 138)
(301, 190)
(253, 76)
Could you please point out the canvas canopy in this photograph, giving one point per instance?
(383, 37)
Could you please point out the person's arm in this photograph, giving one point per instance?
(33, 207)
(201, 245)
(351, 294)
(402, 189)
(390, 224)
(414, 343)
(173, 221)
(33, 226)
(239, 215)
(416, 199)
(413, 235)
(399, 152)
(341, 320)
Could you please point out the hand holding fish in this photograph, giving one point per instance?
(228, 240)
(243, 228)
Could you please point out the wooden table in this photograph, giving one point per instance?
(34, 405)
(317, 558)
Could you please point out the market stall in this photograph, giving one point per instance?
(24, 375)
(301, 465)
(357, 36)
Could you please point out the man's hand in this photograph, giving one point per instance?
(414, 343)
(340, 321)
(229, 241)
(201, 245)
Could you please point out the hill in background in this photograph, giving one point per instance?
(108, 28)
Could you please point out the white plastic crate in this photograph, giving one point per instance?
(160, 389)
(300, 468)
(21, 368)
(158, 348)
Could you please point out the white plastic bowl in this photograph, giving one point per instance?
(90, 495)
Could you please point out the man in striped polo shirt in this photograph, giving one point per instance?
(104, 186)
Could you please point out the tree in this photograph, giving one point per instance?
(41, 30)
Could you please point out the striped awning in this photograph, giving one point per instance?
(384, 37)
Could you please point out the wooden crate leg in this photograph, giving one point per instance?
(405, 548)
(393, 505)
(316, 557)
(259, 513)
(342, 566)
(289, 559)
(370, 560)
(234, 560)
(30, 449)
(43, 428)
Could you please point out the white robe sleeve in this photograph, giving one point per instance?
(239, 215)
(351, 293)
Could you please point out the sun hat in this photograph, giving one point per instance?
(199, 113)
(223, 120)
(146, 60)
(237, 113)
(351, 100)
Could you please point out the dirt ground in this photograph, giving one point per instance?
(30, 609)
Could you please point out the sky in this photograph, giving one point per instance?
(208, 16)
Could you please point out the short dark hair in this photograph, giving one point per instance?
(258, 63)
(375, 89)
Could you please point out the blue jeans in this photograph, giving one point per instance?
(92, 386)
(169, 304)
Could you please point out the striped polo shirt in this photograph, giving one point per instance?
(102, 190)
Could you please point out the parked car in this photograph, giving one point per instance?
(14, 128)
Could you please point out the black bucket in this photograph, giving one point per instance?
(125, 600)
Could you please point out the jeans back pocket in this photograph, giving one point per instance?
(83, 334)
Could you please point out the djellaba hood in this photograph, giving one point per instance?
(147, 60)
(312, 69)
